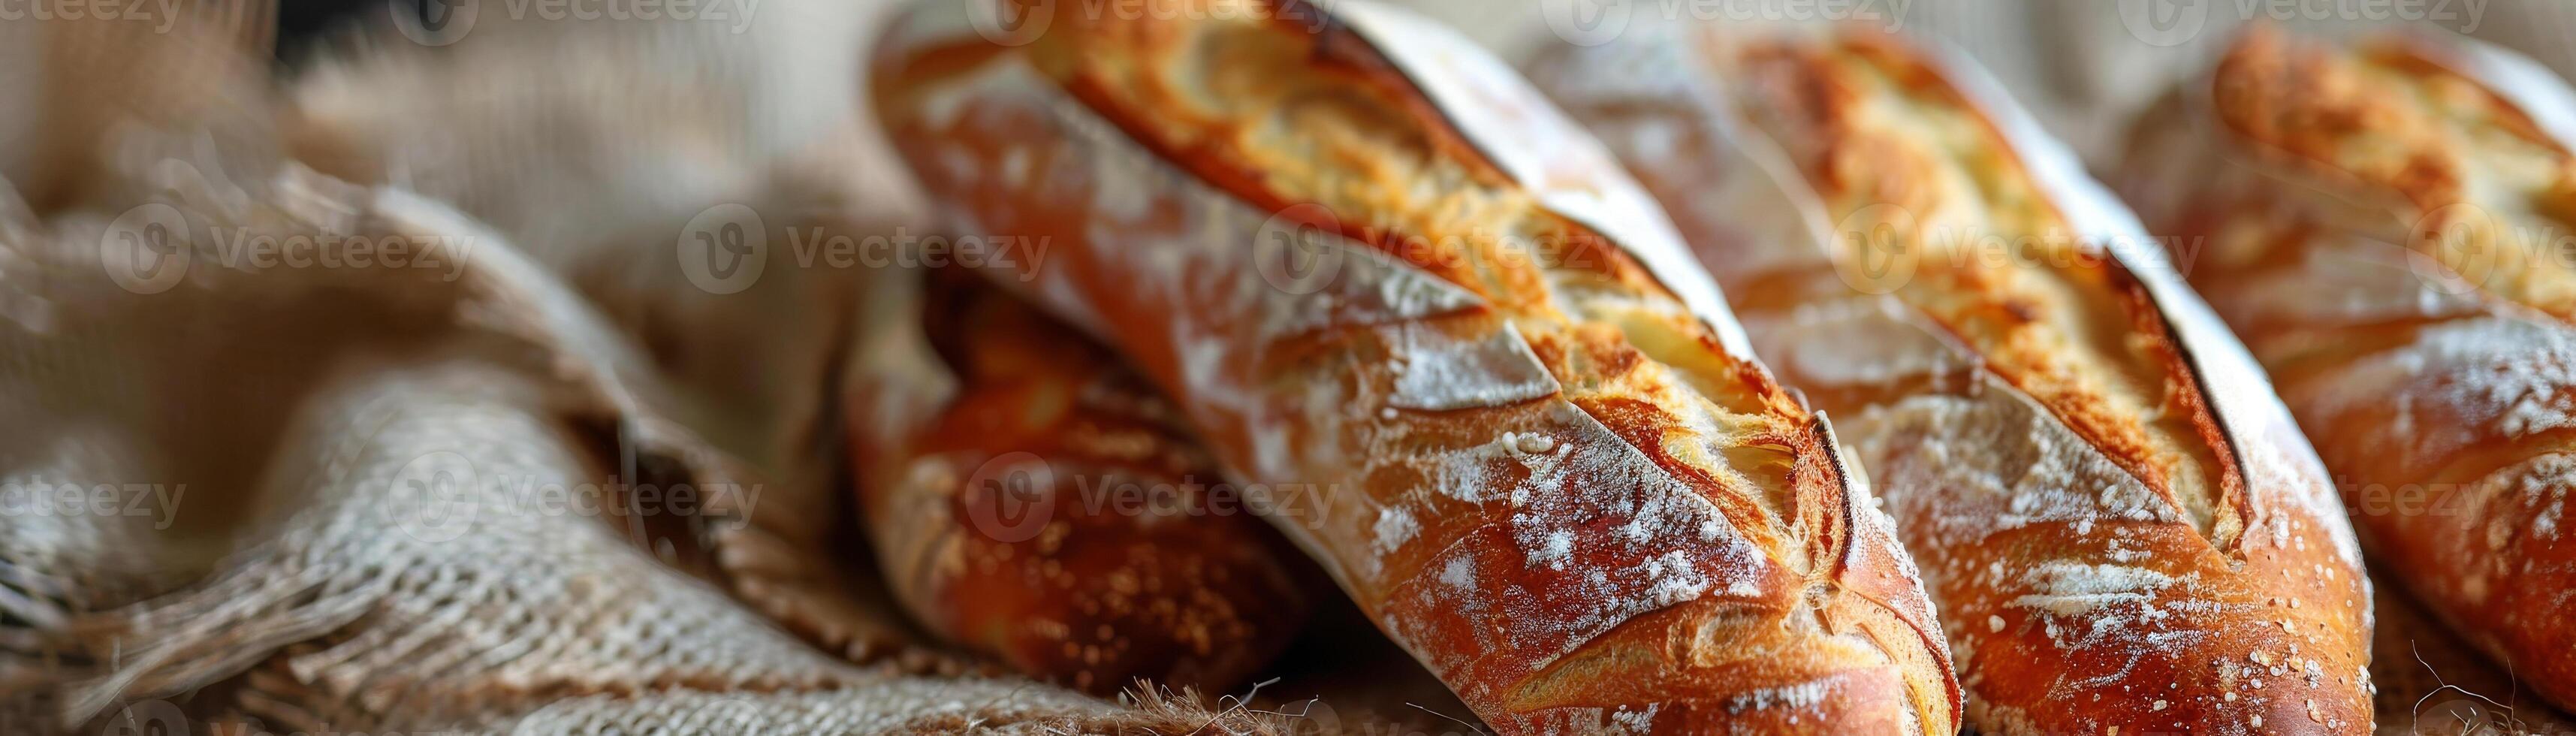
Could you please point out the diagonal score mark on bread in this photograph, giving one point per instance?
(2042, 418)
(2428, 156)
(1868, 124)
(1346, 141)
(2387, 221)
(1425, 196)
(1565, 493)
(2397, 146)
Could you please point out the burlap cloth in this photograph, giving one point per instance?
(523, 477)
(540, 472)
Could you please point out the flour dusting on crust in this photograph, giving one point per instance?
(1502, 528)
(2037, 541)
(1435, 371)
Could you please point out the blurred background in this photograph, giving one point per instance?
(562, 153)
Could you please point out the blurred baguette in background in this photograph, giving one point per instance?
(2386, 224)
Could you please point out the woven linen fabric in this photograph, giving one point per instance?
(329, 483)
(381, 440)
(429, 492)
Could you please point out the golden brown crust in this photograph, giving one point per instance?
(2383, 225)
(1053, 514)
(2109, 549)
(2468, 175)
(1537, 463)
(1872, 125)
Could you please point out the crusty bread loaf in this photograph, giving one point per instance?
(2386, 226)
(1471, 362)
(1030, 498)
(2120, 527)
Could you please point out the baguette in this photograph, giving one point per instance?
(1384, 278)
(2385, 224)
(2119, 525)
(1030, 499)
